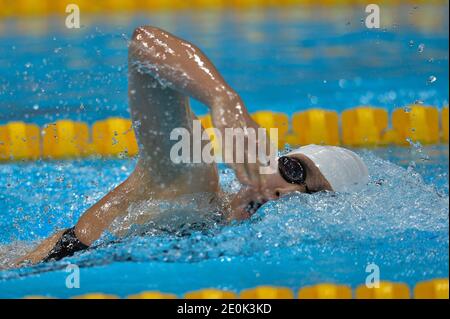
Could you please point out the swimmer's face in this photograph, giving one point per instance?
(296, 173)
(279, 184)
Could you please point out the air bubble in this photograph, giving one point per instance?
(432, 79)
(421, 48)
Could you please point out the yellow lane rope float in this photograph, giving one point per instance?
(356, 127)
(48, 7)
(430, 289)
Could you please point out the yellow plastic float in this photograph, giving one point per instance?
(114, 137)
(96, 296)
(19, 141)
(432, 289)
(269, 119)
(361, 127)
(267, 292)
(209, 4)
(27, 7)
(65, 139)
(364, 126)
(417, 123)
(386, 290)
(210, 294)
(121, 5)
(152, 295)
(47, 7)
(315, 127)
(444, 121)
(325, 291)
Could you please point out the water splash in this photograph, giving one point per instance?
(396, 208)
(417, 147)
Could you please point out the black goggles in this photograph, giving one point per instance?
(292, 170)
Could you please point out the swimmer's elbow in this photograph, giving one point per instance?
(145, 32)
(142, 38)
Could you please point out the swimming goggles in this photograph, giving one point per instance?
(292, 170)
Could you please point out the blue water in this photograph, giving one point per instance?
(287, 60)
(284, 60)
(399, 222)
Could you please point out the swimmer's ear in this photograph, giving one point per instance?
(315, 181)
(319, 184)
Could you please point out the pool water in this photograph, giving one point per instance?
(284, 60)
(399, 222)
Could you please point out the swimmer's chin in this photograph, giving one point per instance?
(244, 205)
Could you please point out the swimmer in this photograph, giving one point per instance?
(164, 72)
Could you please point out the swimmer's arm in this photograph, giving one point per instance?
(41, 251)
(99, 217)
(181, 65)
(184, 68)
(94, 221)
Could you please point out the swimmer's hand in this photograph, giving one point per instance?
(230, 112)
(245, 204)
(40, 252)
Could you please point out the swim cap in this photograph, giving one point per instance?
(343, 169)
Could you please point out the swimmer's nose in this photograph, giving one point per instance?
(272, 194)
(280, 192)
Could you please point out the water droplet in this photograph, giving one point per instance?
(137, 124)
(314, 99)
(432, 79)
(411, 43)
(421, 47)
(35, 107)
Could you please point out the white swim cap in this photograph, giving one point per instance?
(342, 168)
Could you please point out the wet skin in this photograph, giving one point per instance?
(164, 72)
